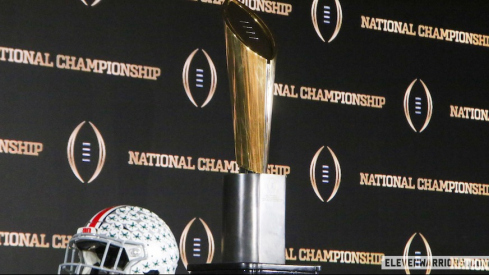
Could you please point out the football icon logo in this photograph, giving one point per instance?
(418, 106)
(197, 241)
(329, 172)
(327, 17)
(199, 78)
(418, 245)
(91, 3)
(86, 152)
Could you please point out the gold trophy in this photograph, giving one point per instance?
(251, 55)
(254, 202)
(253, 235)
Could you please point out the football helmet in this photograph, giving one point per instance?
(122, 240)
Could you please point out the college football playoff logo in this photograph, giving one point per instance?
(201, 242)
(328, 171)
(418, 106)
(91, 3)
(327, 17)
(199, 78)
(86, 152)
(421, 248)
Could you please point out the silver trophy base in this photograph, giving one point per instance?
(254, 219)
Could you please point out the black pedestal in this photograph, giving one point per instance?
(251, 268)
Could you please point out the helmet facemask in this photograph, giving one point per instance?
(91, 254)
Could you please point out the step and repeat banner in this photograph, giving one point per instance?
(381, 114)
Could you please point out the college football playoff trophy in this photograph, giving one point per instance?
(253, 237)
(254, 202)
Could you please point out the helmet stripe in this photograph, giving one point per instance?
(95, 222)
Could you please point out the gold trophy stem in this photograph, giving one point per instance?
(251, 77)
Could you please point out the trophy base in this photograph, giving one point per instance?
(254, 219)
(251, 268)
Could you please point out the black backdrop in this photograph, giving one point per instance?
(43, 202)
